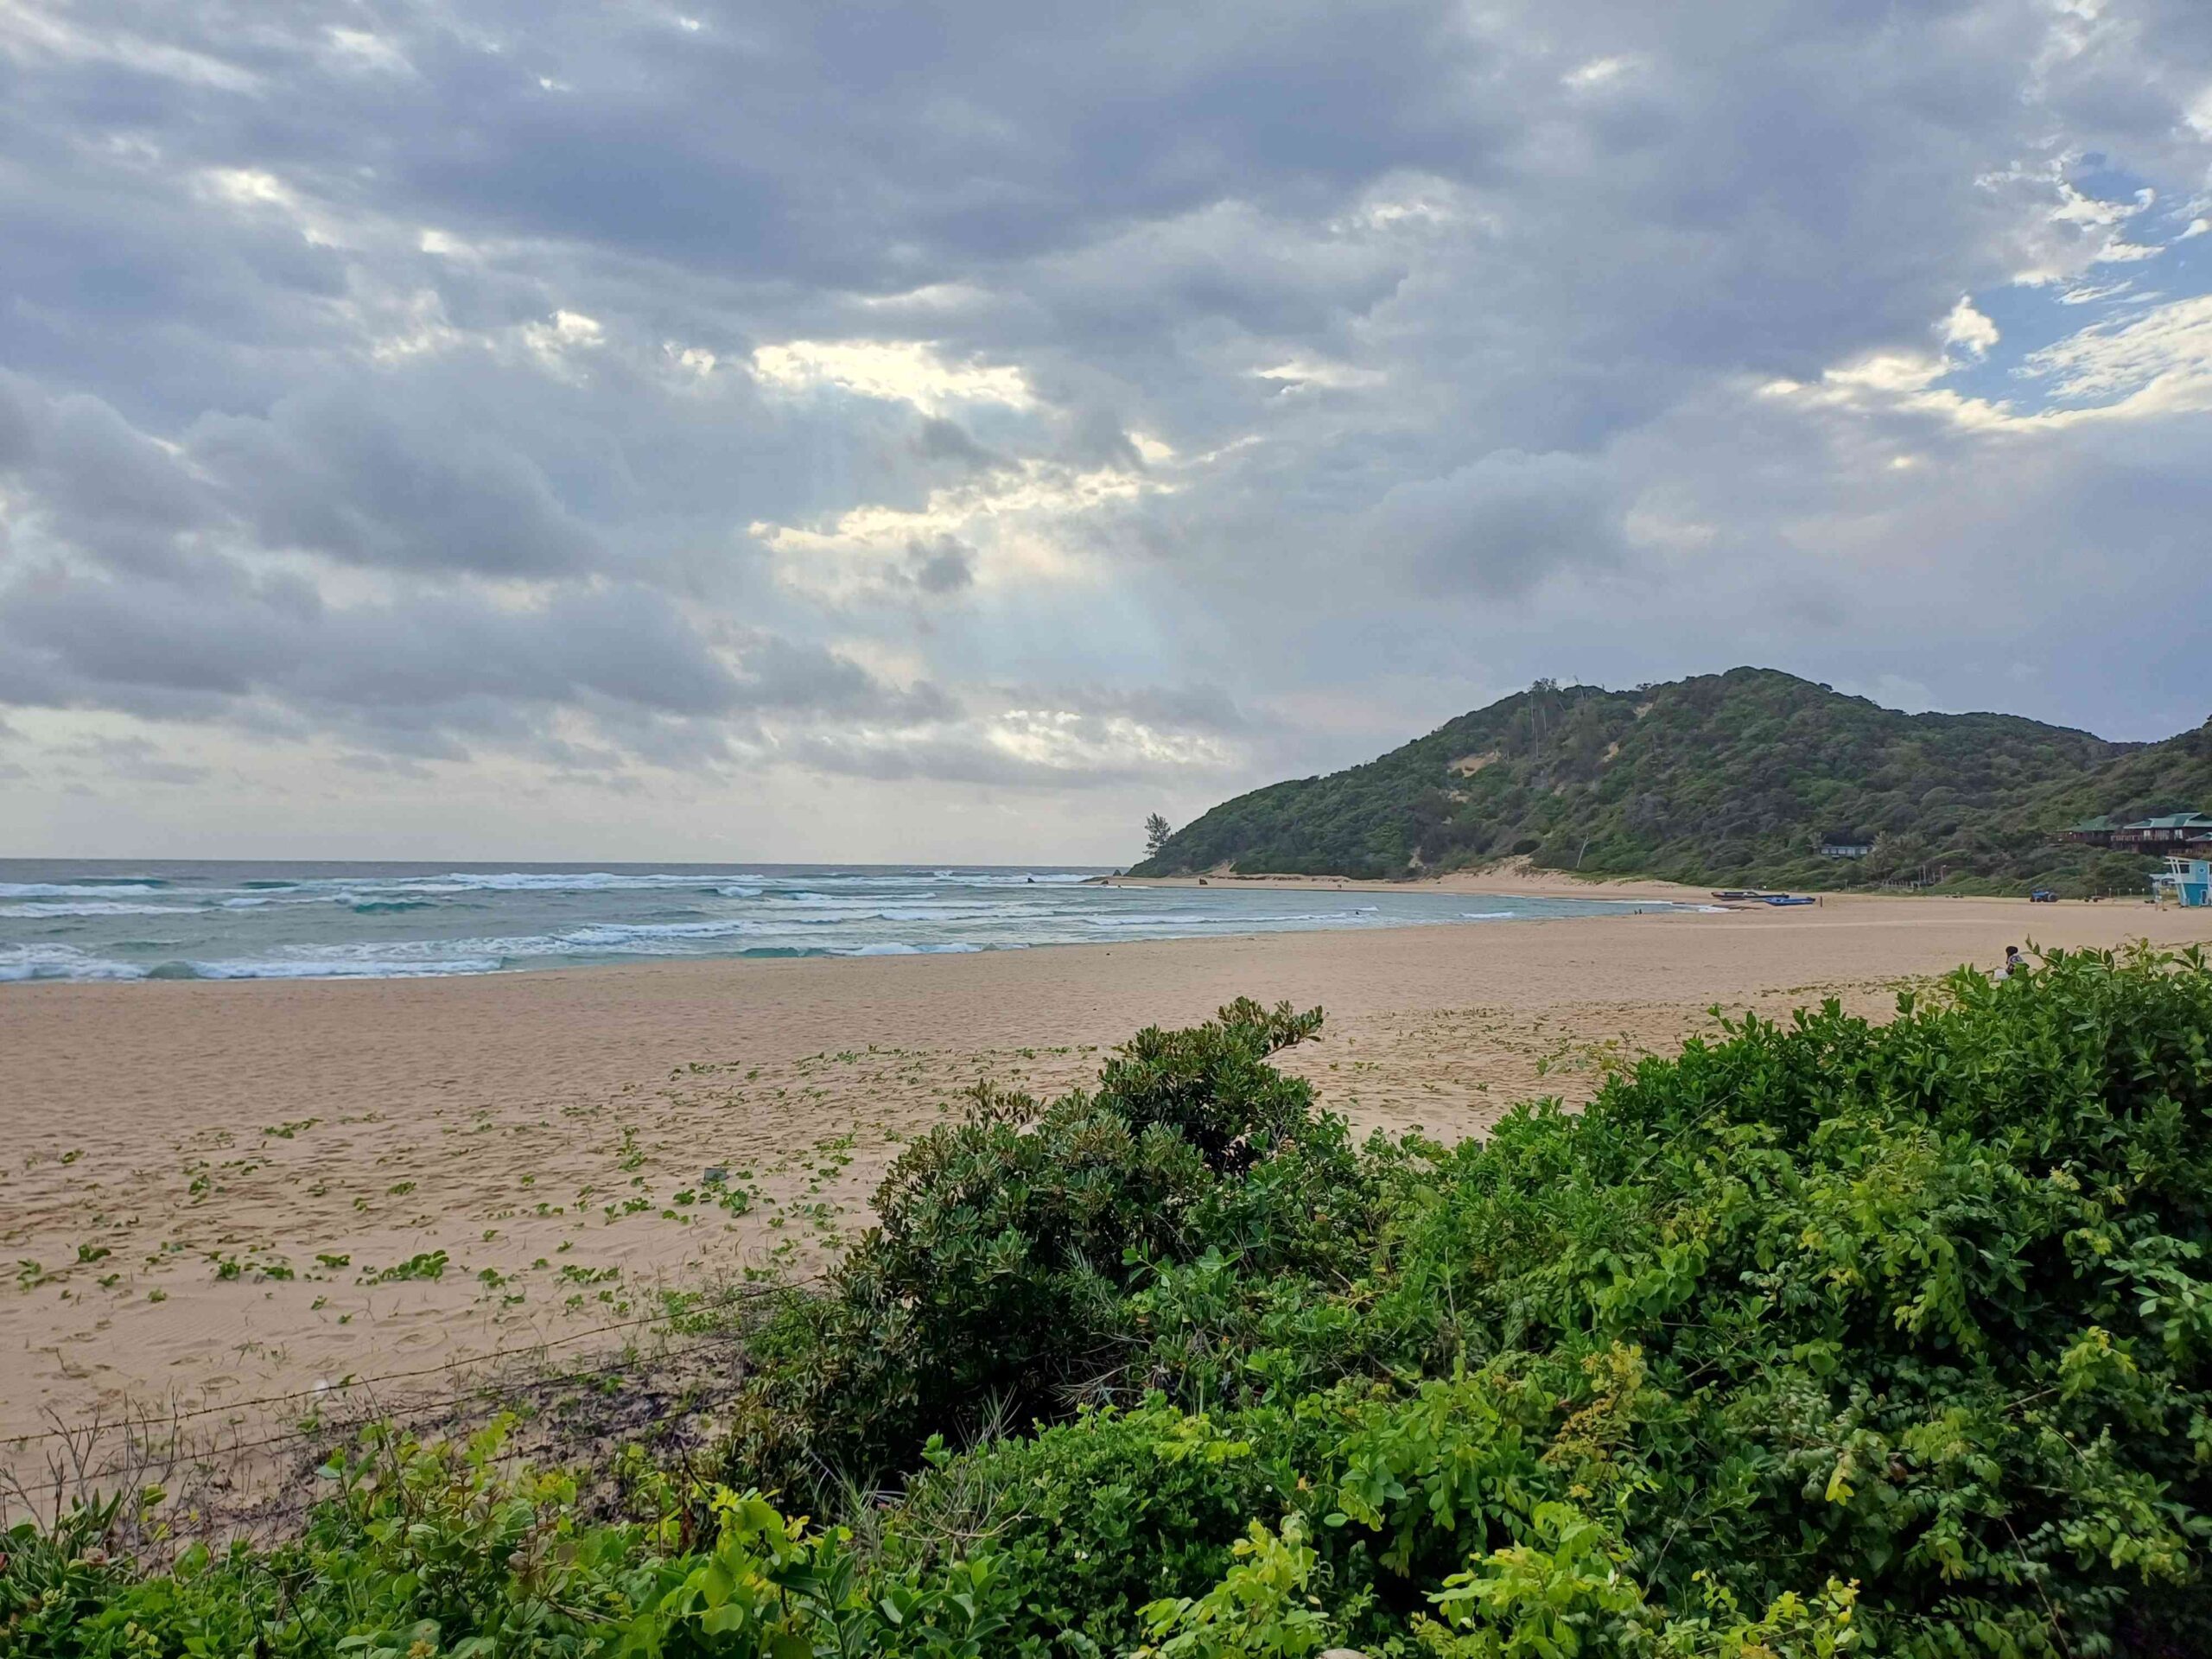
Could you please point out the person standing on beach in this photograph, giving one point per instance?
(2015, 963)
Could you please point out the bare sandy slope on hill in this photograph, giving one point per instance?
(216, 1192)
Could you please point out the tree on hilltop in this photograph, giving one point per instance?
(1156, 831)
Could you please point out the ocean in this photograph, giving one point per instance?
(85, 919)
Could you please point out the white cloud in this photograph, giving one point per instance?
(415, 327)
(695, 361)
(2076, 231)
(1320, 371)
(2093, 212)
(252, 191)
(901, 371)
(243, 187)
(2117, 253)
(1968, 330)
(1026, 524)
(1886, 373)
(2158, 363)
(556, 343)
(2199, 114)
(361, 48)
(29, 31)
(1071, 740)
(2094, 293)
(1598, 71)
(2153, 363)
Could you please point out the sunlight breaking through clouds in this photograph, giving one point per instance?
(1025, 522)
(905, 370)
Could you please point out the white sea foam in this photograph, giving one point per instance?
(540, 881)
(90, 907)
(1004, 879)
(602, 934)
(316, 889)
(1249, 920)
(893, 948)
(414, 960)
(77, 890)
(343, 968)
(19, 963)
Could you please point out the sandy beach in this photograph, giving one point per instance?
(1508, 876)
(218, 1191)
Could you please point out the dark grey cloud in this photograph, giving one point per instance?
(92, 479)
(939, 439)
(431, 674)
(964, 392)
(942, 567)
(425, 486)
(1499, 526)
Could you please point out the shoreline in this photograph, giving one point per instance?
(1504, 883)
(225, 1189)
(1516, 878)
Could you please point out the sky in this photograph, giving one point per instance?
(587, 430)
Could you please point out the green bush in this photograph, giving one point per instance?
(1093, 1519)
(439, 1550)
(414, 1545)
(997, 1276)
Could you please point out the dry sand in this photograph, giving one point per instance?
(207, 1187)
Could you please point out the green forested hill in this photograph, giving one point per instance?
(1722, 779)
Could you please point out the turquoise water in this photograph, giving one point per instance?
(80, 920)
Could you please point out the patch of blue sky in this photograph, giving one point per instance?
(2030, 316)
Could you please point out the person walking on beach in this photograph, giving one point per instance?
(2015, 963)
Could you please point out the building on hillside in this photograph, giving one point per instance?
(2175, 832)
(2187, 882)
(1845, 848)
(2091, 832)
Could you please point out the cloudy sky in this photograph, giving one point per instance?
(581, 429)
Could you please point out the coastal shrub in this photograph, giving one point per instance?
(1093, 1519)
(1005, 1244)
(413, 1544)
(1263, 1607)
(1821, 1336)
(1913, 1305)
(1916, 1307)
(441, 1552)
